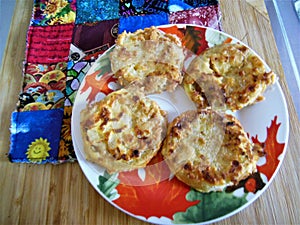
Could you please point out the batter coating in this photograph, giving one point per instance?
(208, 151)
(123, 131)
(227, 76)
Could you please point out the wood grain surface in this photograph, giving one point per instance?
(60, 194)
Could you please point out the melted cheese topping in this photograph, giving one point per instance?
(227, 76)
(208, 151)
(148, 52)
(123, 131)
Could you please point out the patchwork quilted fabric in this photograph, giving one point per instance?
(64, 39)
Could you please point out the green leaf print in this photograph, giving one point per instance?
(212, 205)
(107, 185)
(103, 64)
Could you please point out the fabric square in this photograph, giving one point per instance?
(34, 72)
(66, 149)
(208, 16)
(44, 87)
(133, 23)
(53, 12)
(35, 136)
(76, 73)
(49, 44)
(199, 3)
(99, 35)
(89, 11)
(75, 54)
(142, 7)
(178, 5)
(156, 6)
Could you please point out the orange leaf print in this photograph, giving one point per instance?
(228, 40)
(272, 148)
(173, 30)
(159, 197)
(97, 84)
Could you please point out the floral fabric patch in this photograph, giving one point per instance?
(53, 12)
(66, 150)
(44, 87)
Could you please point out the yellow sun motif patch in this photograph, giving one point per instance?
(37, 151)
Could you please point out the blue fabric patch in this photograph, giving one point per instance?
(142, 7)
(199, 3)
(133, 23)
(178, 5)
(35, 136)
(96, 10)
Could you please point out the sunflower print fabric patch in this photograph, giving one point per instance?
(53, 12)
(29, 144)
(66, 151)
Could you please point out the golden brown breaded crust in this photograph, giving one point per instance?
(208, 151)
(227, 76)
(148, 52)
(123, 131)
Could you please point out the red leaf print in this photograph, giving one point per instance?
(97, 85)
(250, 185)
(159, 198)
(194, 39)
(272, 148)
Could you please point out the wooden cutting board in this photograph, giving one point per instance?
(60, 194)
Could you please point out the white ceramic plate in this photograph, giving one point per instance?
(169, 201)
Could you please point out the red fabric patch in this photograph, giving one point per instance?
(50, 44)
(208, 16)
